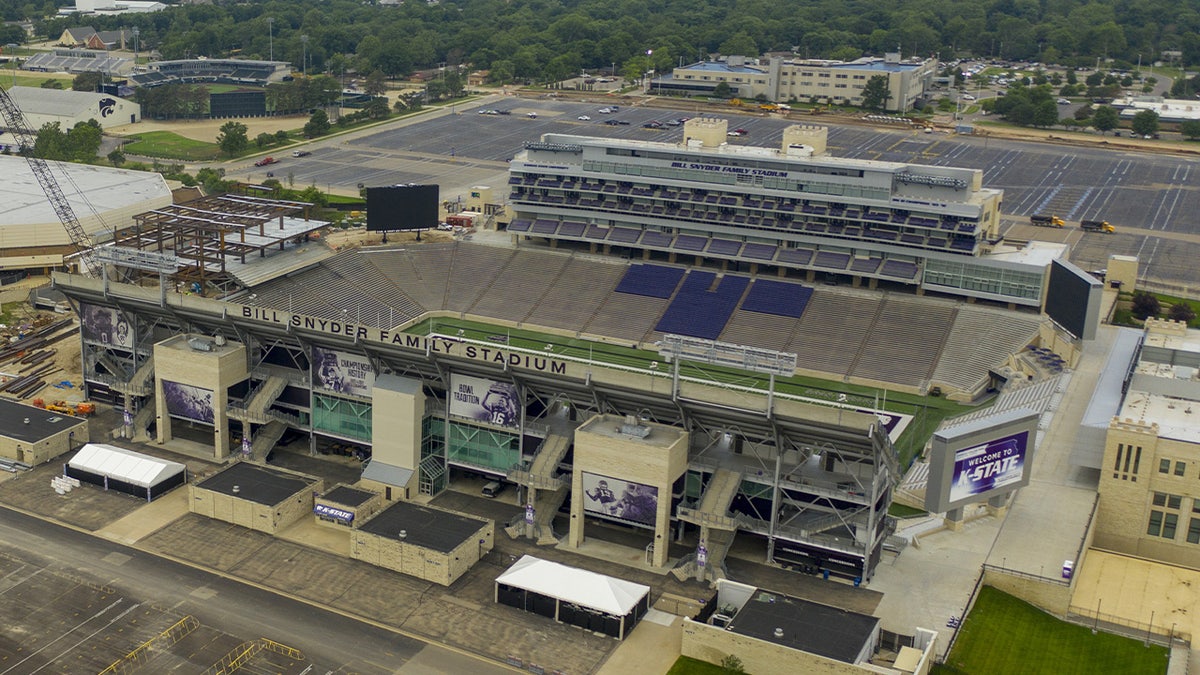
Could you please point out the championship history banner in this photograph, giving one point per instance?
(343, 372)
(985, 467)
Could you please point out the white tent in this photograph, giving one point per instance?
(615, 597)
(122, 469)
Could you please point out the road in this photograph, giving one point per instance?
(331, 641)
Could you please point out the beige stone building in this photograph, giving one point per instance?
(782, 80)
(430, 544)
(253, 496)
(35, 436)
(1150, 476)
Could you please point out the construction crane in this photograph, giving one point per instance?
(15, 121)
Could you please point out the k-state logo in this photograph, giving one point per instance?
(106, 106)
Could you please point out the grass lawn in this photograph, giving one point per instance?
(690, 666)
(170, 145)
(1005, 635)
(927, 411)
(903, 511)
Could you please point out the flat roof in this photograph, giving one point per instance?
(1032, 253)
(41, 423)
(806, 626)
(107, 190)
(347, 496)
(423, 526)
(614, 426)
(1177, 418)
(255, 483)
(723, 67)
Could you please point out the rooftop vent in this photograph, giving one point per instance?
(778, 632)
(200, 344)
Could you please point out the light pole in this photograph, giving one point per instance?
(271, 35)
(304, 41)
(136, 32)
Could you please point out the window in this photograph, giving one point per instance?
(1167, 500)
(1155, 527)
(1170, 521)
(1180, 468)
(1164, 466)
(1193, 535)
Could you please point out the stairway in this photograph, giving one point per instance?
(265, 439)
(259, 400)
(139, 384)
(717, 527)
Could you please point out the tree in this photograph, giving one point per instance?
(722, 90)
(376, 84)
(1105, 118)
(232, 138)
(1045, 114)
(317, 124)
(377, 108)
(1145, 305)
(116, 157)
(87, 81)
(1181, 311)
(1145, 123)
(281, 137)
(263, 140)
(52, 84)
(1190, 129)
(733, 665)
(875, 93)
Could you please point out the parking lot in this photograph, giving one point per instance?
(1142, 193)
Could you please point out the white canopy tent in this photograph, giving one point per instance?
(125, 470)
(573, 592)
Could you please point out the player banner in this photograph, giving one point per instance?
(105, 325)
(483, 400)
(184, 400)
(343, 372)
(623, 500)
(991, 465)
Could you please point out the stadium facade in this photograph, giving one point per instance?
(810, 479)
(780, 79)
(792, 210)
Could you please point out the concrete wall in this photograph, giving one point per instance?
(1044, 593)
(362, 512)
(46, 449)
(422, 563)
(657, 460)
(709, 643)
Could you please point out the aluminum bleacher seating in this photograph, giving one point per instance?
(966, 360)
(700, 312)
(472, 271)
(909, 361)
(571, 229)
(724, 247)
(624, 235)
(796, 256)
(652, 281)
(657, 239)
(833, 329)
(570, 300)
(831, 260)
(865, 265)
(759, 251)
(780, 298)
(518, 287)
(767, 331)
(685, 242)
(899, 269)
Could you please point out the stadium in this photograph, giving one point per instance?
(687, 403)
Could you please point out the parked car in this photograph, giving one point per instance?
(1063, 101)
(301, 153)
(584, 118)
(612, 123)
(266, 161)
(652, 124)
(531, 115)
(605, 111)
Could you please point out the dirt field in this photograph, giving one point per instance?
(206, 130)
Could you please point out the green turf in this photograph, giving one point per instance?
(688, 666)
(927, 411)
(901, 511)
(1005, 635)
(168, 144)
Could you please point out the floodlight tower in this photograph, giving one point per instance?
(271, 36)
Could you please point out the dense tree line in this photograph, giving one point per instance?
(552, 39)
